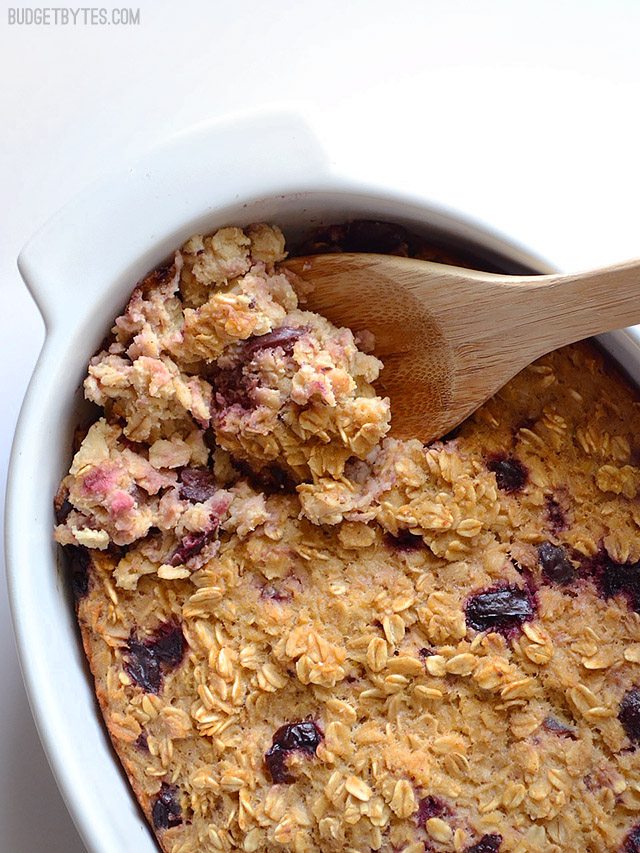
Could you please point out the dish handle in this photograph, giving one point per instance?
(127, 222)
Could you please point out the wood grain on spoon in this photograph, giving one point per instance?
(450, 337)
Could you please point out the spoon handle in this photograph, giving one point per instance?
(588, 303)
(541, 313)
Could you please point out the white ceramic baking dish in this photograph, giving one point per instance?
(80, 269)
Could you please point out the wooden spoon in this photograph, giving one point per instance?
(450, 337)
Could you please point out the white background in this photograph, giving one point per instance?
(523, 114)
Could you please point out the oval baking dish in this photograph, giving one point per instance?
(80, 269)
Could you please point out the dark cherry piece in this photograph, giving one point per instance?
(271, 480)
(501, 609)
(487, 844)
(197, 484)
(79, 560)
(629, 714)
(303, 736)
(62, 509)
(169, 644)
(166, 811)
(429, 807)
(405, 541)
(556, 565)
(141, 742)
(284, 337)
(233, 387)
(632, 841)
(146, 661)
(190, 545)
(119, 551)
(143, 666)
(511, 474)
(556, 727)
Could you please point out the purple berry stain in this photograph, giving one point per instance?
(303, 736)
(272, 593)
(487, 844)
(632, 841)
(555, 515)
(146, 661)
(429, 807)
(502, 609)
(511, 474)
(166, 811)
(613, 578)
(556, 727)
(629, 714)
(556, 565)
(197, 484)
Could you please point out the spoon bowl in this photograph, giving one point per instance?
(449, 337)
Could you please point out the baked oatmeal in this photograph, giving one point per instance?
(306, 635)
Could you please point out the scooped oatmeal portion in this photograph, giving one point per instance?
(307, 635)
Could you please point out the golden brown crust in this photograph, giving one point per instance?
(362, 605)
(89, 642)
